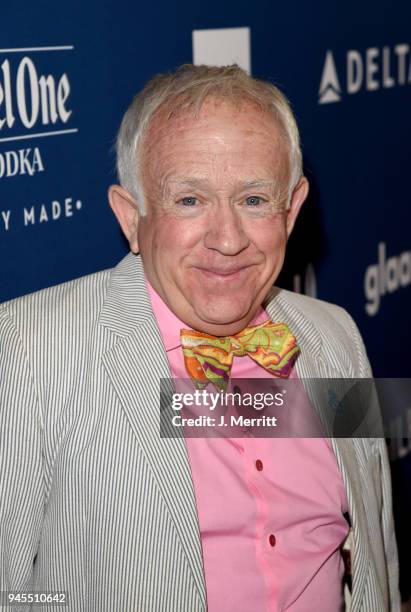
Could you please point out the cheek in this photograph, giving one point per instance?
(270, 236)
(176, 236)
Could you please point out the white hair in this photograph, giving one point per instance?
(187, 88)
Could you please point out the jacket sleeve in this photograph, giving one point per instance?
(21, 480)
(390, 544)
(387, 521)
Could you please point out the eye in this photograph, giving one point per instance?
(189, 201)
(254, 201)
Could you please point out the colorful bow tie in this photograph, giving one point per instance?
(209, 358)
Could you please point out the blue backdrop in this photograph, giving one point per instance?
(69, 71)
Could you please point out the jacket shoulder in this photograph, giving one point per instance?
(53, 331)
(338, 333)
(80, 298)
(319, 312)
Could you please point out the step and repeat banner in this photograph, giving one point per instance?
(69, 71)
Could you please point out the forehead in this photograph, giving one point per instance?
(221, 137)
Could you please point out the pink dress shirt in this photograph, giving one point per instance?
(270, 510)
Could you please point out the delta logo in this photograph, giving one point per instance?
(371, 69)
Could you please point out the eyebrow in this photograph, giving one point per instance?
(189, 181)
(261, 183)
(199, 182)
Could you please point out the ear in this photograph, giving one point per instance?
(126, 212)
(298, 198)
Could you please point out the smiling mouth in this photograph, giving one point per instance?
(216, 273)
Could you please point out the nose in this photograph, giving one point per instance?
(226, 233)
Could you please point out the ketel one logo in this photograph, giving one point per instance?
(30, 100)
(371, 69)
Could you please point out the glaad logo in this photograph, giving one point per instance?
(386, 276)
(373, 69)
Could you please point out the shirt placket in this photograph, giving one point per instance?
(267, 538)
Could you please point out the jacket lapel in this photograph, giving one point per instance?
(312, 364)
(135, 364)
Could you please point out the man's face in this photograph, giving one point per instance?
(214, 235)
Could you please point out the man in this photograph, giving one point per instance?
(94, 502)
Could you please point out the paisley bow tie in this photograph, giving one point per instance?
(209, 358)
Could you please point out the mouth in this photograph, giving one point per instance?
(215, 273)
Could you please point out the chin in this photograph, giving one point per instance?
(221, 313)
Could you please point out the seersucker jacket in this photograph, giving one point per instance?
(93, 502)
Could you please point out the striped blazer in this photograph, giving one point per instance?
(93, 501)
